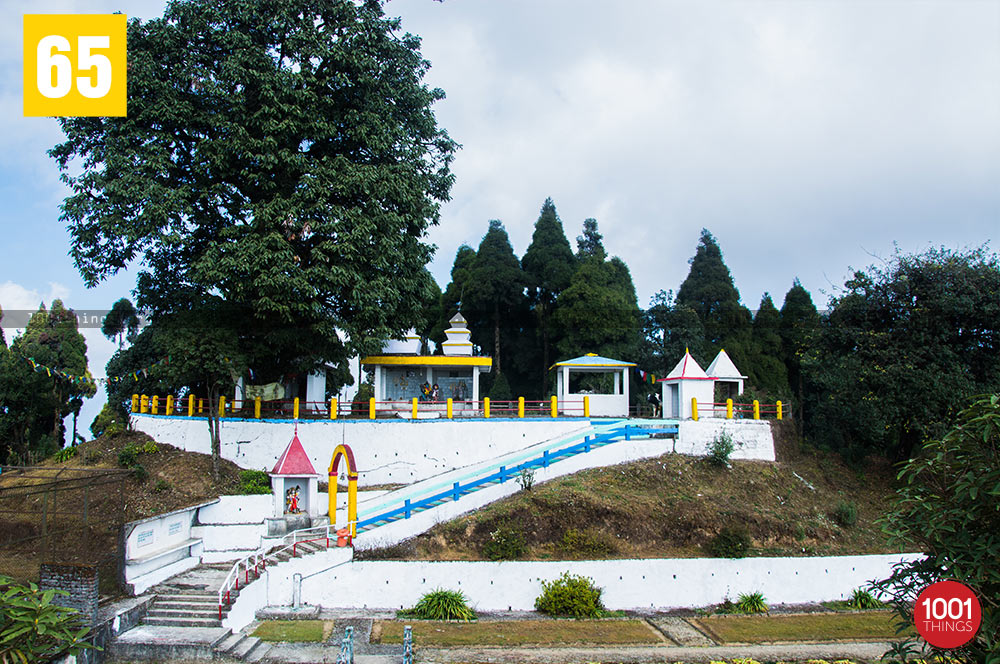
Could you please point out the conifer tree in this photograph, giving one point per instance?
(451, 298)
(590, 243)
(798, 328)
(494, 289)
(548, 266)
(769, 372)
(709, 290)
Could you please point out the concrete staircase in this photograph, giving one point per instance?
(242, 647)
(188, 608)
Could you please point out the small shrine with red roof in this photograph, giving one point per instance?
(295, 483)
(689, 381)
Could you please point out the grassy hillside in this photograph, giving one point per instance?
(674, 506)
(169, 479)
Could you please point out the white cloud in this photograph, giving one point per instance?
(14, 296)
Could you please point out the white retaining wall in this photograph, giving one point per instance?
(387, 451)
(160, 547)
(753, 438)
(331, 582)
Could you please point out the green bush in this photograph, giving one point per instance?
(500, 389)
(720, 449)
(863, 599)
(506, 542)
(108, 423)
(150, 447)
(845, 513)
(442, 604)
(570, 595)
(254, 482)
(731, 542)
(139, 472)
(751, 603)
(128, 456)
(526, 478)
(161, 486)
(65, 454)
(587, 543)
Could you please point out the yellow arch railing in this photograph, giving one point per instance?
(344, 452)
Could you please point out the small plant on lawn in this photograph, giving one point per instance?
(442, 604)
(161, 486)
(863, 599)
(751, 603)
(506, 542)
(128, 456)
(845, 514)
(254, 482)
(65, 454)
(526, 478)
(731, 542)
(139, 472)
(720, 449)
(150, 447)
(570, 595)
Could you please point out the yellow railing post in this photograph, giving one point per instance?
(486, 407)
(520, 406)
(190, 405)
(334, 406)
(144, 404)
(554, 406)
(135, 403)
(586, 406)
(256, 408)
(778, 409)
(729, 409)
(756, 409)
(155, 405)
(295, 409)
(201, 406)
(413, 409)
(222, 406)
(371, 408)
(451, 413)
(694, 409)
(170, 404)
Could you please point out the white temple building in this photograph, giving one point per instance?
(603, 380)
(402, 374)
(728, 379)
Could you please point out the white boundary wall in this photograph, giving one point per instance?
(387, 451)
(753, 438)
(331, 581)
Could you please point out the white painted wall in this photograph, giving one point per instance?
(388, 452)
(753, 438)
(161, 546)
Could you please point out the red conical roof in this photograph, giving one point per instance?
(294, 460)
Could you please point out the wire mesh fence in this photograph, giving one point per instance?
(64, 516)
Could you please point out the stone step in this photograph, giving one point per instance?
(228, 643)
(245, 647)
(200, 602)
(208, 612)
(259, 653)
(182, 622)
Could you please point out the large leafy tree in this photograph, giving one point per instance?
(122, 322)
(277, 172)
(905, 343)
(948, 507)
(494, 290)
(548, 266)
(710, 291)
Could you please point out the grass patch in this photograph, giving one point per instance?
(807, 627)
(519, 633)
(845, 605)
(292, 631)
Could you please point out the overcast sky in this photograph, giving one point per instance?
(808, 136)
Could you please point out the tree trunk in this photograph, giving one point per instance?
(542, 318)
(496, 335)
(214, 430)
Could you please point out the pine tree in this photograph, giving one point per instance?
(495, 287)
(589, 244)
(798, 328)
(670, 330)
(709, 290)
(769, 372)
(548, 266)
